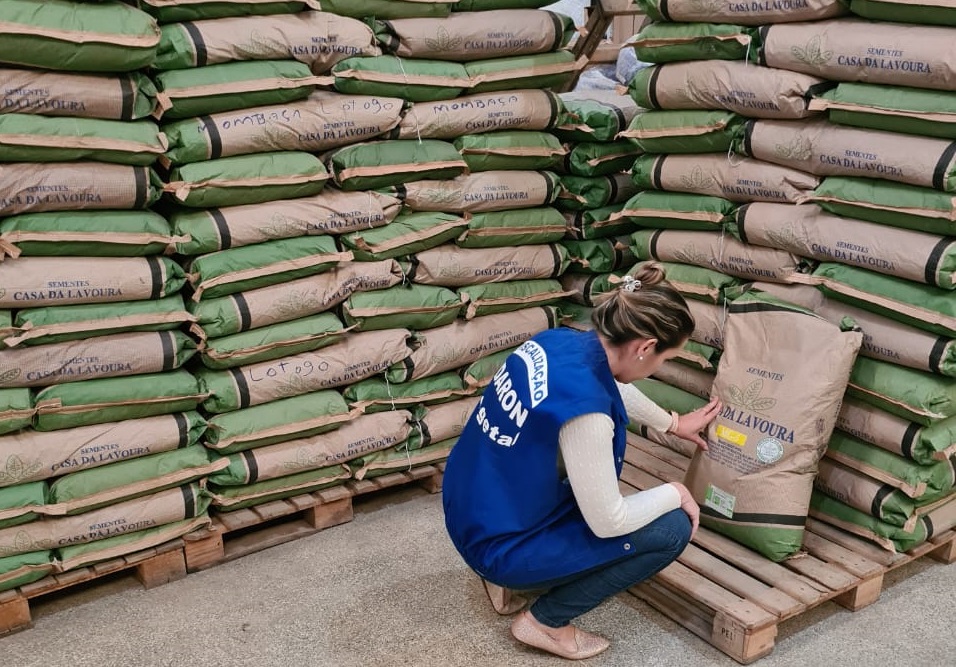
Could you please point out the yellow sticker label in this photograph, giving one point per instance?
(730, 435)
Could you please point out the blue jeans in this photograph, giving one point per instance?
(654, 547)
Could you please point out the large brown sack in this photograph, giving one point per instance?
(446, 420)
(104, 96)
(867, 51)
(741, 13)
(883, 338)
(116, 355)
(781, 379)
(925, 445)
(709, 321)
(822, 148)
(462, 342)
(692, 380)
(37, 455)
(59, 281)
(32, 187)
(484, 112)
(717, 251)
(750, 90)
(319, 39)
(742, 180)
(808, 231)
(451, 266)
(482, 191)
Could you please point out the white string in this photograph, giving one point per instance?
(731, 154)
(401, 65)
(750, 43)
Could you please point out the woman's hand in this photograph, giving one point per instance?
(689, 426)
(689, 505)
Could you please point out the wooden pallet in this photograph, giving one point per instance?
(152, 567)
(734, 598)
(242, 532)
(623, 17)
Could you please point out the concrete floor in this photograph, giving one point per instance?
(388, 589)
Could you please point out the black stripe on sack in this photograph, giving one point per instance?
(909, 438)
(586, 290)
(169, 350)
(409, 365)
(189, 501)
(413, 265)
(876, 506)
(552, 314)
(225, 236)
(665, 13)
(202, 55)
(215, 139)
(126, 94)
(936, 356)
(426, 434)
(242, 386)
(748, 137)
(778, 519)
(183, 425)
(555, 109)
(141, 183)
(250, 458)
(556, 259)
(550, 193)
(401, 192)
(652, 246)
(621, 119)
(930, 529)
(618, 255)
(763, 31)
(652, 87)
(612, 190)
(939, 173)
(558, 32)
(392, 42)
(741, 218)
(658, 168)
(935, 257)
(245, 317)
(156, 275)
(758, 308)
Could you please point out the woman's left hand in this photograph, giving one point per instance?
(690, 425)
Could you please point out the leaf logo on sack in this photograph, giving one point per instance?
(3, 292)
(259, 45)
(690, 255)
(692, 90)
(442, 195)
(697, 181)
(23, 543)
(812, 54)
(282, 227)
(707, 6)
(17, 470)
(799, 148)
(750, 398)
(9, 376)
(443, 42)
(786, 237)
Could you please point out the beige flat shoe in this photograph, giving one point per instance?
(527, 631)
(504, 600)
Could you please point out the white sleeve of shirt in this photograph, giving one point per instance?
(586, 447)
(643, 410)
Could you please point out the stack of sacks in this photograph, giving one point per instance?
(594, 189)
(473, 172)
(90, 308)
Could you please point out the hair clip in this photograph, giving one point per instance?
(630, 284)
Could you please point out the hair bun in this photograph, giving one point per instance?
(648, 273)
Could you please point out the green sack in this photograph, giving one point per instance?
(451, 266)
(888, 203)
(110, 484)
(530, 226)
(511, 150)
(664, 42)
(929, 12)
(581, 192)
(544, 70)
(584, 288)
(106, 96)
(888, 536)
(388, 9)
(684, 131)
(925, 445)
(403, 306)
(678, 210)
(699, 355)
(247, 179)
(597, 223)
(116, 399)
(78, 37)
(173, 11)
(230, 498)
(272, 342)
(56, 324)
(6, 326)
(491, 298)
(595, 116)
(668, 397)
(249, 267)
(601, 159)
(412, 80)
(929, 113)
(19, 504)
(918, 396)
(756, 14)
(399, 460)
(925, 307)
(599, 255)
(22, 569)
(485, 5)
(482, 191)
(100, 234)
(922, 483)
(216, 88)
(32, 138)
(479, 374)
(381, 164)
(697, 282)
(407, 234)
(865, 494)
(285, 419)
(377, 393)
(16, 409)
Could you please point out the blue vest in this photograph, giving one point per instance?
(508, 510)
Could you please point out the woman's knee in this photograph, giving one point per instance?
(677, 525)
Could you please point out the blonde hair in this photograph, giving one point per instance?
(644, 305)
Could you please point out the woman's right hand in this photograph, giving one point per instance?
(689, 505)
